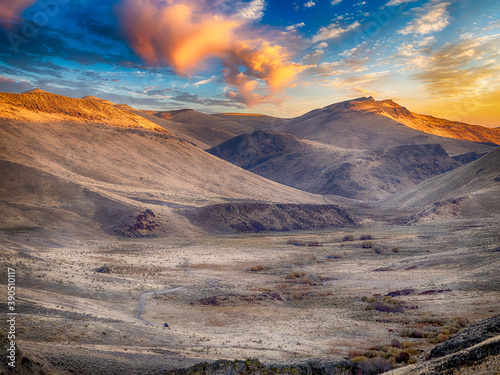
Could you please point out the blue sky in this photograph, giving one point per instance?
(279, 58)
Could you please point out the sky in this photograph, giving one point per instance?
(280, 58)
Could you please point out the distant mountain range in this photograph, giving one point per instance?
(91, 166)
(362, 124)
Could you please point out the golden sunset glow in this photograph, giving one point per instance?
(433, 56)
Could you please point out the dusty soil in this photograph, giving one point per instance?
(279, 297)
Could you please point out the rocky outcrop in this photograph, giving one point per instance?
(473, 335)
(143, 225)
(475, 350)
(262, 217)
(254, 367)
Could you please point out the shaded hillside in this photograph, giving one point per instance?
(364, 124)
(468, 157)
(264, 217)
(321, 169)
(41, 106)
(250, 150)
(86, 177)
(470, 191)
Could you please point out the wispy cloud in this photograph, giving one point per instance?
(357, 80)
(398, 2)
(432, 18)
(461, 69)
(339, 67)
(332, 31)
(313, 57)
(335, 2)
(204, 81)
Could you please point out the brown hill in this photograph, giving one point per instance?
(321, 169)
(365, 123)
(203, 130)
(470, 191)
(43, 107)
(255, 121)
(75, 175)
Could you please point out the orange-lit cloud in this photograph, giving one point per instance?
(184, 36)
(13, 8)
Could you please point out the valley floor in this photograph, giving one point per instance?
(280, 297)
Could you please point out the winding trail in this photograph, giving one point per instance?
(142, 301)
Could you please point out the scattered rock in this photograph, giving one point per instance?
(402, 357)
(432, 291)
(403, 292)
(103, 269)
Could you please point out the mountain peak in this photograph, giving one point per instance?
(36, 91)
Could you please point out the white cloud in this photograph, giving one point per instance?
(205, 81)
(349, 52)
(295, 27)
(332, 31)
(322, 45)
(253, 10)
(335, 2)
(398, 2)
(310, 4)
(434, 17)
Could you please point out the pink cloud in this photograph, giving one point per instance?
(184, 36)
(10, 9)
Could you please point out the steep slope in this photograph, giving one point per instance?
(470, 191)
(439, 126)
(203, 130)
(321, 169)
(40, 106)
(365, 124)
(163, 119)
(83, 174)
